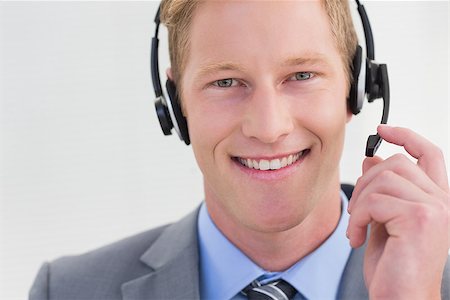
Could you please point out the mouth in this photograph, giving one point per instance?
(271, 164)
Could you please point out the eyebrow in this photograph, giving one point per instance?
(316, 59)
(216, 67)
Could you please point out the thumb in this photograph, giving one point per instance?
(369, 162)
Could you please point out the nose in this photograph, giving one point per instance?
(268, 117)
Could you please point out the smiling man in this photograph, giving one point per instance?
(283, 100)
(264, 88)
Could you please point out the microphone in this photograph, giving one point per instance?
(379, 88)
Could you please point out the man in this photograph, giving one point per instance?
(264, 87)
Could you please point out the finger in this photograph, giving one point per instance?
(392, 184)
(388, 182)
(429, 157)
(380, 209)
(369, 162)
(402, 166)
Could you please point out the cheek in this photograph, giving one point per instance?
(209, 124)
(209, 127)
(325, 117)
(324, 114)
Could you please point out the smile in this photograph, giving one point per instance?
(271, 164)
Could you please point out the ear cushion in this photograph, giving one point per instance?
(176, 108)
(354, 103)
(163, 116)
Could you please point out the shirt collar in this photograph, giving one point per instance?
(225, 270)
(317, 275)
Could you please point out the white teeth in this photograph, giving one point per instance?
(264, 165)
(274, 164)
(284, 162)
(249, 163)
(289, 160)
(255, 165)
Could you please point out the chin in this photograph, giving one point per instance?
(273, 218)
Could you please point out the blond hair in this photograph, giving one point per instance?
(177, 16)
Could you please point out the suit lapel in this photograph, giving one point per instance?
(352, 285)
(174, 260)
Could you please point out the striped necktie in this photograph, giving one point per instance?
(277, 290)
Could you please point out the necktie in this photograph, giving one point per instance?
(277, 290)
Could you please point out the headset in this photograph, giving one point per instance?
(370, 79)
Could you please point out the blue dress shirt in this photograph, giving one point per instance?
(225, 270)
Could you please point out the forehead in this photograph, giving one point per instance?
(259, 31)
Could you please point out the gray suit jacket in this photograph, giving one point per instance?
(162, 263)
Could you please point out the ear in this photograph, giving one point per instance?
(349, 115)
(169, 73)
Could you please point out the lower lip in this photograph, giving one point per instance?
(271, 174)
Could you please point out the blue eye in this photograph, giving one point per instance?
(228, 82)
(302, 76)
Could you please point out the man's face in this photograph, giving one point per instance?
(265, 85)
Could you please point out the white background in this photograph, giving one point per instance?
(82, 159)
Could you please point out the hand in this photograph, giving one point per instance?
(407, 207)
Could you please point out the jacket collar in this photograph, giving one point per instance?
(352, 285)
(174, 261)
